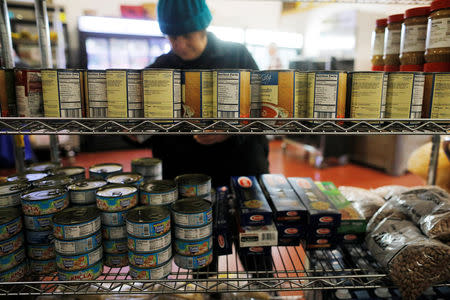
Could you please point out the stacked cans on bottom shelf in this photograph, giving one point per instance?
(78, 246)
(115, 202)
(13, 265)
(39, 206)
(150, 168)
(149, 242)
(193, 219)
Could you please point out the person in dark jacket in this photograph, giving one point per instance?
(220, 156)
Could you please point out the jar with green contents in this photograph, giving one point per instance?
(392, 43)
(437, 53)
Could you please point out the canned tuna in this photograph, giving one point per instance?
(39, 237)
(147, 167)
(74, 172)
(43, 167)
(29, 176)
(11, 260)
(191, 185)
(115, 246)
(149, 245)
(84, 191)
(194, 233)
(14, 274)
(158, 272)
(125, 178)
(113, 218)
(192, 212)
(75, 247)
(89, 273)
(41, 252)
(117, 197)
(53, 181)
(194, 262)
(150, 260)
(189, 248)
(114, 232)
(10, 223)
(42, 266)
(116, 260)
(148, 222)
(158, 192)
(101, 171)
(44, 201)
(76, 222)
(12, 244)
(10, 193)
(78, 262)
(38, 223)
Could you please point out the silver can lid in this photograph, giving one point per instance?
(40, 194)
(86, 184)
(106, 168)
(124, 178)
(116, 190)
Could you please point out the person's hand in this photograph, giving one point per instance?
(210, 139)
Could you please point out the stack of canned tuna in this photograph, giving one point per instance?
(82, 193)
(39, 205)
(193, 222)
(74, 172)
(115, 201)
(78, 226)
(150, 168)
(12, 253)
(149, 242)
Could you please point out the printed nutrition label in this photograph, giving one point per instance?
(440, 104)
(162, 94)
(116, 93)
(325, 95)
(399, 95)
(366, 95)
(227, 84)
(135, 99)
(438, 33)
(96, 95)
(255, 103)
(392, 42)
(413, 38)
(70, 94)
(417, 99)
(207, 94)
(301, 90)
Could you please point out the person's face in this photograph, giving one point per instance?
(189, 46)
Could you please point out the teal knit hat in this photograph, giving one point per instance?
(177, 17)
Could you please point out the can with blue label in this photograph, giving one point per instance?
(79, 246)
(192, 185)
(126, 178)
(12, 244)
(41, 252)
(14, 274)
(42, 266)
(115, 260)
(115, 246)
(74, 172)
(117, 197)
(192, 212)
(114, 232)
(38, 223)
(146, 245)
(150, 260)
(149, 167)
(193, 233)
(76, 223)
(78, 262)
(192, 248)
(44, 201)
(84, 191)
(90, 273)
(10, 193)
(10, 222)
(13, 259)
(148, 221)
(39, 237)
(53, 181)
(194, 262)
(158, 192)
(101, 171)
(28, 176)
(158, 272)
(113, 218)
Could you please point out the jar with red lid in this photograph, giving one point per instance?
(414, 33)
(378, 45)
(437, 52)
(392, 43)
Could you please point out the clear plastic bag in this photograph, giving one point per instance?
(388, 191)
(414, 261)
(388, 210)
(364, 201)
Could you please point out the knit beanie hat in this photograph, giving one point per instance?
(177, 17)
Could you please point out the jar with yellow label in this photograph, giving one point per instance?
(378, 45)
(414, 33)
(392, 43)
(437, 53)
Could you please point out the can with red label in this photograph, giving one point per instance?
(29, 93)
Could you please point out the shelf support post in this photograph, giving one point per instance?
(434, 158)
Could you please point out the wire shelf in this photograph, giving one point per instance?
(243, 126)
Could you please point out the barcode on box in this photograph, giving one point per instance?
(71, 113)
(318, 114)
(267, 237)
(228, 114)
(98, 112)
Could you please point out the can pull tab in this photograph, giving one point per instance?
(53, 193)
(127, 180)
(103, 171)
(81, 184)
(117, 194)
(15, 187)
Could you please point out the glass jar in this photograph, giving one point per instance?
(414, 33)
(392, 43)
(437, 53)
(378, 45)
